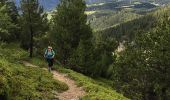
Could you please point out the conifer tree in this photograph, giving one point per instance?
(14, 15)
(7, 27)
(69, 27)
(142, 70)
(33, 23)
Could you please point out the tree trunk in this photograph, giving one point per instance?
(31, 42)
(151, 94)
(31, 31)
(164, 94)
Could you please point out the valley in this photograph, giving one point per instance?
(104, 14)
(85, 50)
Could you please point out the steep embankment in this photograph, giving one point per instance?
(18, 82)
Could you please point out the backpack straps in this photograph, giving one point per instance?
(46, 52)
(52, 52)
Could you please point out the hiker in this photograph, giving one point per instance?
(49, 56)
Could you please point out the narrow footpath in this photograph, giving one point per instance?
(73, 93)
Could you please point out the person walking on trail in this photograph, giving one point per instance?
(49, 56)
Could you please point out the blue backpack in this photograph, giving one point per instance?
(49, 54)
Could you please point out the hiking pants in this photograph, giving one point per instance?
(50, 62)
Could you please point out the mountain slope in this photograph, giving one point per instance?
(107, 21)
(106, 15)
(18, 82)
(51, 4)
(144, 24)
(69, 94)
(96, 89)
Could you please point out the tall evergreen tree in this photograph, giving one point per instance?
(69, 27)
(34, 23)
(104, 48)
(7, 27)
(14, 15)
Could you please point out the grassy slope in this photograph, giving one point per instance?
(18, 82)
(96, 90)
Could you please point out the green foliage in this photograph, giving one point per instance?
(99, 23)
(104, 48)
(13, 13)
(142, 70)
(110, 14)
(19, 82)
(82, 58)
(69, 27)
(72, 37)
(96, 90)
(34, 23)
(99, 89)
(7, 27)
(126, 31)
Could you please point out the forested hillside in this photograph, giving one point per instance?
(141, 68)
(106, 15)
(51, 4)
(100, 10)
(128, 30)
(102, 21)
(86, 57)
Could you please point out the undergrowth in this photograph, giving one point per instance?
(96, 89)
(18, 82)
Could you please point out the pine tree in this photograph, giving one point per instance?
(104, 48)
(7, 27)
(142, 71)
(13, 13)
(33, 23)
(3, 2)
(69, 27)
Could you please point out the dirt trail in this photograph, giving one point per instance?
(73, 93)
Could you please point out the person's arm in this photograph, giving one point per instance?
(45, 54)
(53, 53)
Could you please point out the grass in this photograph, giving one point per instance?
(18, 82)
(96, 89)
(90, 12)
(37, 83)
